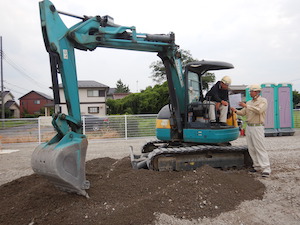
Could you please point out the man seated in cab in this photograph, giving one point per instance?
(217, 98)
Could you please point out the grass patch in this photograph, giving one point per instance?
(296, 118)
(15, 123)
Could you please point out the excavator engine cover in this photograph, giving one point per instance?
(63, 163)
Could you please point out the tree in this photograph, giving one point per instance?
(121, 88)
(7, 113)
(159, 71)
(296, 98)
(207, 79)
(150, 100)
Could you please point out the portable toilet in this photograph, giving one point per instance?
(269, 91)
(285, 109)
(248, 97)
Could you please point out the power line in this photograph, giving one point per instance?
(16, 86)
(21, 70)
(11, 89)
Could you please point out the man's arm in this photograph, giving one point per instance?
(262, 107)
(241, 112)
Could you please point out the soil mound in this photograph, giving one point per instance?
(121, 195)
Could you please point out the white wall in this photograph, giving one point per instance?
(85, 102)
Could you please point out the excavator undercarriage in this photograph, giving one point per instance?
(166, 156)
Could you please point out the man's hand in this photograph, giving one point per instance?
(243, 104)
(224, 103)
(233, 109)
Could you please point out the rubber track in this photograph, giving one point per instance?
(192, 150)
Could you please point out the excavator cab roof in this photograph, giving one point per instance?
(201, 67)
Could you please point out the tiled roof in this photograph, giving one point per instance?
(40, 93)
(6, 93)
(238, 87)
(9, 103)
(111, 91)
(44, 95)
(89, 84)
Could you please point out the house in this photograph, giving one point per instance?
(33, 102)
(112, 95)
(92, 97)
(11, 107)
(238, 89)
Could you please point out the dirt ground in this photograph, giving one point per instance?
(121, 195)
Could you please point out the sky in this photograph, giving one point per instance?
(261, 38)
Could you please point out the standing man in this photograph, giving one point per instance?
(217, 98)
(255, 111)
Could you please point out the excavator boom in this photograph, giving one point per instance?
(62, 159)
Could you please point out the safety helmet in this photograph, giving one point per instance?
(255, 87)
(226, 80)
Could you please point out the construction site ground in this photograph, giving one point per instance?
(121, 195)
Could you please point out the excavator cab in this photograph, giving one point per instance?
(197, 107)
(195, 123)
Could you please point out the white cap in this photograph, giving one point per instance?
(255, 87)
(226, 80)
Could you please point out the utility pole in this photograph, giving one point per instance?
(2, 91)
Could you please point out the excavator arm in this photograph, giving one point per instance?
(62, 159)
(93, 32)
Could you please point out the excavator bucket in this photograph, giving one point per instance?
(63, 162)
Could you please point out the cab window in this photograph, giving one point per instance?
(193, 87)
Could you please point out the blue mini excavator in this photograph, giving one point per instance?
(186, 138)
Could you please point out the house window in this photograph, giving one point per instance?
(92, 93)
(96, 93)
(93, 109)
(101, 93)
(37, 102)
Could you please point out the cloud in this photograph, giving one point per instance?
(261, 39)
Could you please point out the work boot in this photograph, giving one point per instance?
(222, 124)
(214, 123)
(252, 170)
(265, 174)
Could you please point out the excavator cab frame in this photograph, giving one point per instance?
(196, 109)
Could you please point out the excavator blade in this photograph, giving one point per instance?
(63, 163)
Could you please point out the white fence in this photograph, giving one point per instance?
(124, 127)
(109, 127)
